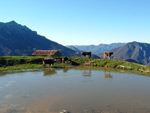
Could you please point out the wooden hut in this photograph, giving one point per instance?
(46, 53)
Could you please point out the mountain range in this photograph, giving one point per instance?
(134, 52)
(96, 49)
(18, 40)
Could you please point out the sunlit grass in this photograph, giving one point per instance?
(29, 62)
(22, 66)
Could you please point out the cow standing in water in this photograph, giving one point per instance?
(108, 54)
(49, 61)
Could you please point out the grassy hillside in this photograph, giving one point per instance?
(21, 62)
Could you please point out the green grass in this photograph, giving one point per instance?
(22, 66)
(119, 64)
(60, 65)
(15, 60)
(80, 60)
(29, 62)
(20, 57)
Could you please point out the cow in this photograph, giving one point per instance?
(64, 59)
(108, 54)
(87, 54)
(49, 61)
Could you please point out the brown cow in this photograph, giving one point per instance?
(87, 54)
(108, 54)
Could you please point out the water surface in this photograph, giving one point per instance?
(75, 90)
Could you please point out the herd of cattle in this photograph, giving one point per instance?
(51, 61)
(106, 54)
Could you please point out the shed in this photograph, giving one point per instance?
(55, 53)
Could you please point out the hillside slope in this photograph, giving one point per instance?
(134, 51)
(18, 40)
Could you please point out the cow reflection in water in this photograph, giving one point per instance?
(65, 70)
(107, 75)
(87, 73)
(49, 71)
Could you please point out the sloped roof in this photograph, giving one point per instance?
(45, 52)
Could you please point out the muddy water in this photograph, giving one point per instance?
(74, 90)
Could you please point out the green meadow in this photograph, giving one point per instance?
(28, 62)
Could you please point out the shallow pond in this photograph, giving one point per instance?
(77, 90)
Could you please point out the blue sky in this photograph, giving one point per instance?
(82, 22)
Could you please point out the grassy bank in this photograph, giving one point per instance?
(21, 66)
(28, 62)
(15, 60)
(119, 64)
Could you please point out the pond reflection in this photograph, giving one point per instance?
(65, 70)
(74, 90)
(49, 71)
(87, 73)
(107, 75)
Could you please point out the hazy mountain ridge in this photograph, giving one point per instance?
(96, 49)
(79, 51)
(18, 40)
(74, 48)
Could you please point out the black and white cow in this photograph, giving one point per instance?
(49, 61)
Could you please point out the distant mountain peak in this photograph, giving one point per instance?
(13, 22)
